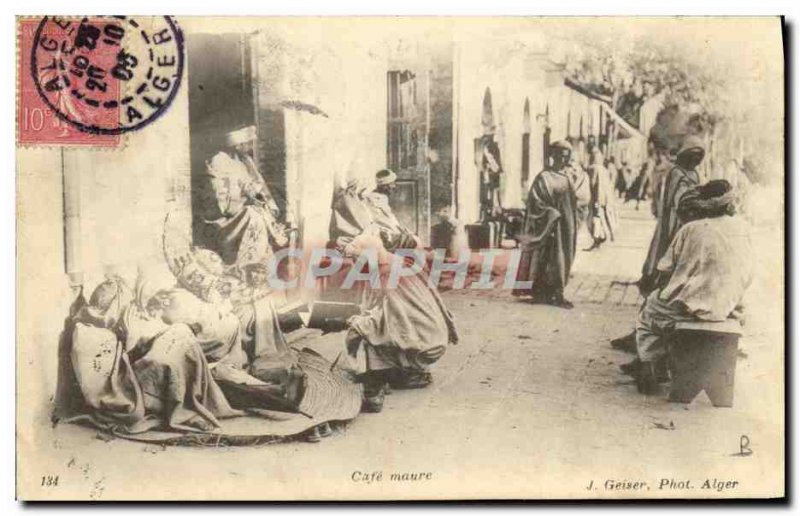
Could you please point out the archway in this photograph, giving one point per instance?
(487, 113)
(489, 162)
(526, 143)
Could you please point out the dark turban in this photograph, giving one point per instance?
(712, 199)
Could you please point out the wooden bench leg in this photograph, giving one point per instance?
(722, 374)
(703, 361)
(688, 370)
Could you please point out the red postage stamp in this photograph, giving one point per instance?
(85, 81)
(38, 122)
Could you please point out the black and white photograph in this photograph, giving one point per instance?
(400, 258)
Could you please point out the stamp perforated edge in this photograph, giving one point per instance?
(122, 138)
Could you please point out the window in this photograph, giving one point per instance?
(401, 148)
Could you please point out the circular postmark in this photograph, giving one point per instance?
(107, 74)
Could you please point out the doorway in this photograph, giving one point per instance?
(407, 149)
(220, 100)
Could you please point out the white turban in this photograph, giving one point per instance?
(243, 135)
(385, 177)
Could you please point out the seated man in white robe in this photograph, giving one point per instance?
(702, 276)
(240, 214)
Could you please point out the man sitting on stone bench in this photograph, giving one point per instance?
(702, 276)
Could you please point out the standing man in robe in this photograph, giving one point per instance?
(581, 185)
(680, 179)
(602, 217)
(550, 231)
(240, 214)
(660, 171)
(621, 181)
(491, 168)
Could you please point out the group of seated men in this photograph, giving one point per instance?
(206, 342)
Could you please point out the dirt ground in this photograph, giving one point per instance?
(531, 404)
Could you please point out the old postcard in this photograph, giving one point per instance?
(399, 258)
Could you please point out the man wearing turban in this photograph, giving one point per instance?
(550, 231)
(678, 181)
(393, 233)
(704, 272)
(240, 213)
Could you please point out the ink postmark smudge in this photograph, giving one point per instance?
(107, 75)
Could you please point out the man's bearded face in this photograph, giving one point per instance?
(387, 189)
(245, 149)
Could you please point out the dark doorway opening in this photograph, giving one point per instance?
(220, 82)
